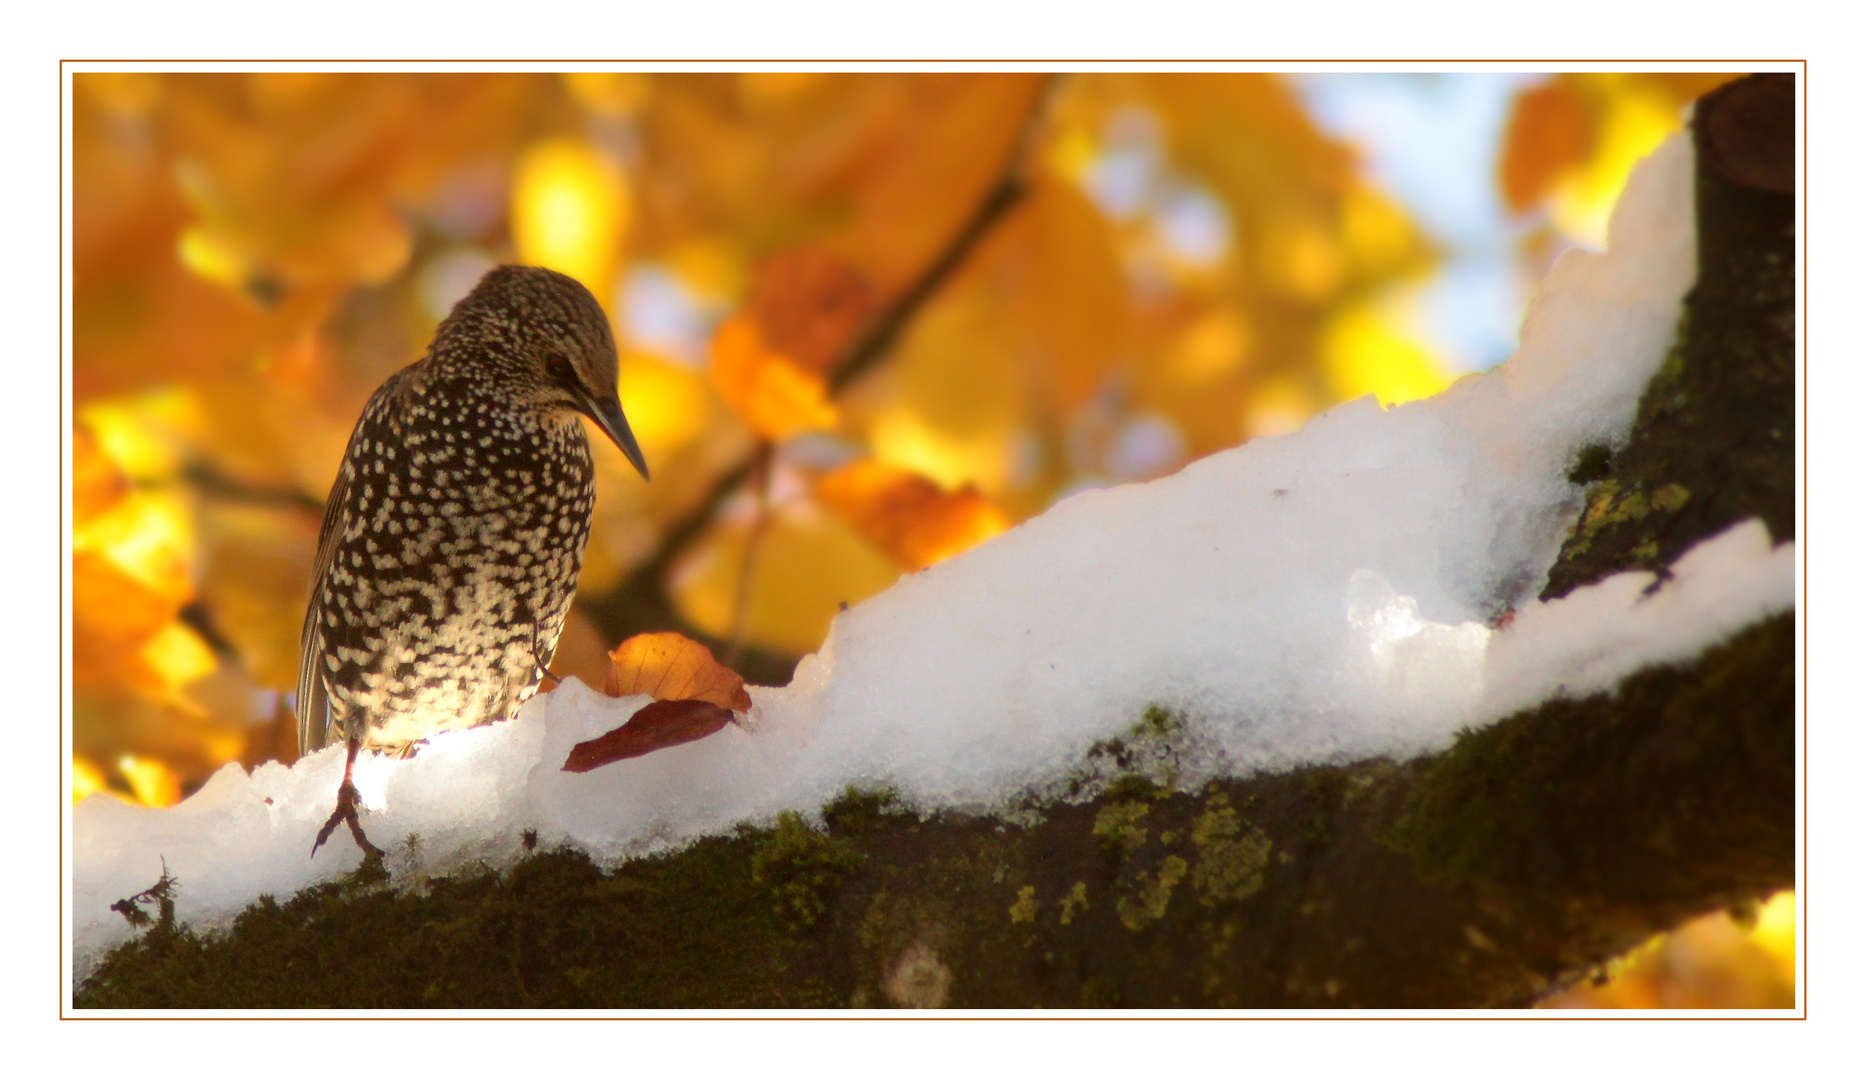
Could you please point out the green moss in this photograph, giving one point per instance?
(1134, 786)
(800, 867)
(858, 810)
(1157, 722)
(554, 931)
(1482, 809)
(1100, 992)
(1328, 791)
(1146, 755)
(1593, 463)
(162, 895)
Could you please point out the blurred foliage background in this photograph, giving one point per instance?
(867, 321)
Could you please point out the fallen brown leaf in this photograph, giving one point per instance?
(653, 727)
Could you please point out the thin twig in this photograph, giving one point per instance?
(741, 604)
(209, 479)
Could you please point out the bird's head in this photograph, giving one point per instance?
(548, 339)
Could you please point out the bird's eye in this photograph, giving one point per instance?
(562, 372)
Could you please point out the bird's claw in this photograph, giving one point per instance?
(348, 799)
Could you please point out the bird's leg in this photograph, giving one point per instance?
(348, 799)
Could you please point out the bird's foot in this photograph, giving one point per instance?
(348, 799)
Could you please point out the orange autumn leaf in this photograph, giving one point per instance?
(653, 727)
(774, 394)
(1072, 290)
(808, 304)
(672, 667)
(947, 147)
(771, 361)
(1551, 129)
(908, 516)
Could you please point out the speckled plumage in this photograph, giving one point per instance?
(454, 533)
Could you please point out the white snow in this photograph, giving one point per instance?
(1326, 595)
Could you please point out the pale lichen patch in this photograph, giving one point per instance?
(1024, 910)
(1149, 901)
(918, 979)
(1120, 824)
(1076, 900)
(1231, 860)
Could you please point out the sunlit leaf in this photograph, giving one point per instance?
(928, 177)
(1214, 346)
(809, 564)
(954, 407)
(97, 483)
(1572, 142)
(907, 515)
(86, 779)
(670, 666)
(610, 93)
(1551, 129)
(1366, 352)
(774, 394)
(1711, 962)
(807, 305)
(667, 404)
(1071, 289)
(154, 783)
(176, 655)
(1380, 241)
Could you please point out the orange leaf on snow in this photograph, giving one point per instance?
(671, 667)
(908, 516)
(653, 727)
(774, 394)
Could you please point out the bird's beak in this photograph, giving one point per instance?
(607, 414)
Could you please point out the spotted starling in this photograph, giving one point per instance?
(455, 530)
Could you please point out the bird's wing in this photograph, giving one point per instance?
(313, 695)
(313, 699)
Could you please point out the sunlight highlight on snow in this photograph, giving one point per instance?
(1418, 661)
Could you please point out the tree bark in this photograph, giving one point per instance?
(1488, 875)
